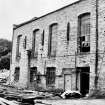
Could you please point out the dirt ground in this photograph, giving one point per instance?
(72, 102)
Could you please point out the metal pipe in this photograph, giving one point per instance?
(96, 60)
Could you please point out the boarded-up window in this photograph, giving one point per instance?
(84, 32)
(18, 50)
(16, 74)
(33, 73)
(35, 43)
(50, 76)
(52, 40)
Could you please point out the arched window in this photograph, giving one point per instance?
(84, 32)
(52, 39)
(35, 43)
(18, 49)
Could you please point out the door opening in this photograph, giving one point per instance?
(84, 80)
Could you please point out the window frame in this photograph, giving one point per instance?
(50, 76)
(68, 32)
(42, 37)
(18, 53)
(83, 45)
(34, 52)
(33, 73)
(25, 42)
(50, 40)
(17, 74)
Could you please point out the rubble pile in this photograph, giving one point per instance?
(29, 97)
(97, 94)
(26, 97)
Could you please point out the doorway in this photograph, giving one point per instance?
(84, 80)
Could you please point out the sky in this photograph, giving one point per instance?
(18, 11)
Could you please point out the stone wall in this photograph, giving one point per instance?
(65, 57)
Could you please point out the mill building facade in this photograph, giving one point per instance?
(63, 49)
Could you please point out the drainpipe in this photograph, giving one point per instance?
(76, 70)
(96, 60)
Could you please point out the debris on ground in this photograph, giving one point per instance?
(29, 97)
(26, 97)
(46, 95)
(97, 94)
(7, 102)
(4, 74)
(71, 94)
(71, 102)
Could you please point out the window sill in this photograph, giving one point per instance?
(83, 53)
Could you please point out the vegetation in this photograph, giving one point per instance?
(5, 53)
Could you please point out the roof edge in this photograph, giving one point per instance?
(36, 18)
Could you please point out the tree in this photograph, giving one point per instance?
(5, 50)
(5, 63)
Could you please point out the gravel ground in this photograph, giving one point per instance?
(72, 102)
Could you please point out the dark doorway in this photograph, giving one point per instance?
(84, 80)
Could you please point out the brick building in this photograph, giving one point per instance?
(62, 49)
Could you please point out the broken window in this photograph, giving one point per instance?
(33, 72)
(52, 40)
(35, 43)
(18, 53)
(84, 32)
(50, 76)
(16, 74)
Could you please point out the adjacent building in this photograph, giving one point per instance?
(64, 49)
